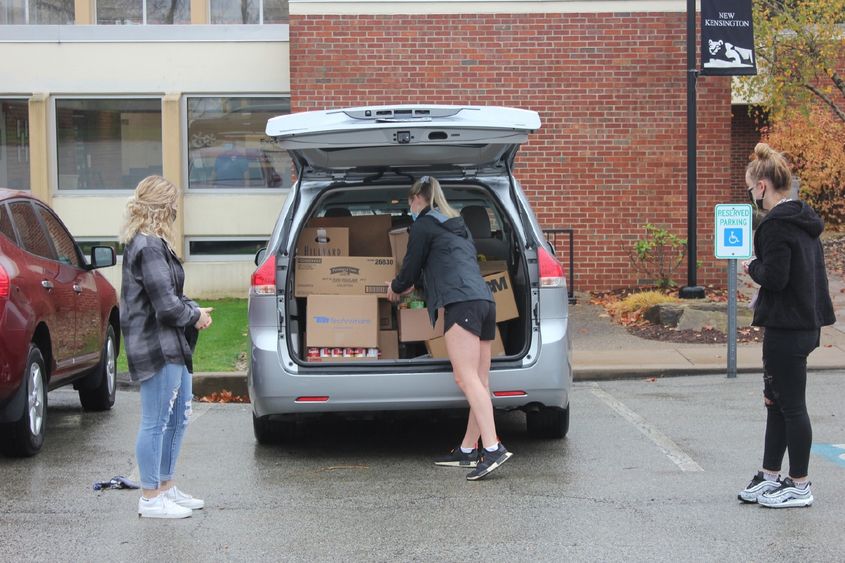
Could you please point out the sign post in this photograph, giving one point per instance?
(733, 242)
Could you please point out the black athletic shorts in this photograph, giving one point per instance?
(478, 317)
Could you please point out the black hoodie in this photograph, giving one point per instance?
(790, 270)
(442, 251)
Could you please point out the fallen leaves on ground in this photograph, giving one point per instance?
(224, 396)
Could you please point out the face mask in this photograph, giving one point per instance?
(758, 203)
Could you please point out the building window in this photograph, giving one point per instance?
(107, 143)
(41, 12)
(152, 12)
(14, 144)
(229, 248)
(227, 146)
(249, 11)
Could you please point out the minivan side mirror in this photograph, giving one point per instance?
(102, 257)
(259, 256)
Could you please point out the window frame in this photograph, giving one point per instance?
(53, 140)
(260, 16)
(28, 126)
(185, 146)
(221, 257)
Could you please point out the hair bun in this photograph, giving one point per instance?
(763, 151)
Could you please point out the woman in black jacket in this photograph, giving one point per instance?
(441, 260)
(793, 302)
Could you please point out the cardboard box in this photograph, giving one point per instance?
(323, 241)
(399, 245)
(488, 267)
(500, 285)
(388, 344)
(367, 233)
(343, 275)
(385, 315)
(341, 321)
(437, 346)
(414, 325)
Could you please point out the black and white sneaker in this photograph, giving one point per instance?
(756, 488)
(489, 461)
(788, 495)
(457, 458)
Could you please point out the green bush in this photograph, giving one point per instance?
(658, 255)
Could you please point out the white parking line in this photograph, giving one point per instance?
(197, 410)
(670, 448)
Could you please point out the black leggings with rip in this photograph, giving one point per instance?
(785, 377)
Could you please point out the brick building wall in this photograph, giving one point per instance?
(745, 134)
(610, 90)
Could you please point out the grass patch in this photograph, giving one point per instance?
(219, 347)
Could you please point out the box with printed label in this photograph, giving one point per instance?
(415, 325)
(500, 285)
(343, 275)
(437, 346)
(340, 321)
(323, 241)
(399, 245)
(367, 233)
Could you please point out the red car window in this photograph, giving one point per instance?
(33, 237)
(6, 224)
(62, 241)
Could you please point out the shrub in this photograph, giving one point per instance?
(642, 301)
(658, 255)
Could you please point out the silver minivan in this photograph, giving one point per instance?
(360, 162)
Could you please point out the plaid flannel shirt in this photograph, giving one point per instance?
(153, 311)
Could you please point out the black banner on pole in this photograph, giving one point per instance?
(727, 38)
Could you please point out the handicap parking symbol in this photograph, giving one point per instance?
(733, 237)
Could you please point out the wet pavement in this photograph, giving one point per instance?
(649, 472)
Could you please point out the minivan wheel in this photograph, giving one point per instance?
(99, 396)
(269, 431)
(548, 422)
(27, 433)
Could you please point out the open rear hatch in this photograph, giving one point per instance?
(351, 240)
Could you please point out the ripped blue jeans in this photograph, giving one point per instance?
(165, 409)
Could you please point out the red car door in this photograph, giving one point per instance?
(49, 286)
(88, 320)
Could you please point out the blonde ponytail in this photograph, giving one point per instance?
(429, 188)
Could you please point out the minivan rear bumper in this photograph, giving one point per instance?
(274, 390)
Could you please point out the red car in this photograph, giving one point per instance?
(59, 321)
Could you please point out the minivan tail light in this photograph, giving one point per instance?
(551, 271)
(5, 285)
(264, 278)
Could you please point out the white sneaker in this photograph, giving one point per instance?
(183, 499)
(161, 507)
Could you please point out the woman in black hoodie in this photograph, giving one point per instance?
(793, 302)
(441, 260)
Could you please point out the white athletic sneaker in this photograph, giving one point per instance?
(788, 495)
(757, 488)
(183, 499)
(161, 507)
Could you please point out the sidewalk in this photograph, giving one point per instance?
(603, 349)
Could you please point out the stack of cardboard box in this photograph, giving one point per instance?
(342, 266)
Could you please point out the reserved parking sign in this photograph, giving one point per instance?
(733, 231)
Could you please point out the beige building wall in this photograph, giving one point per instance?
(170, 63)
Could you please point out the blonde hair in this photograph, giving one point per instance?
(768, 164)
(151, 210)
(429, 189)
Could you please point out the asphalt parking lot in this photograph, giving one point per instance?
(649, 472)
